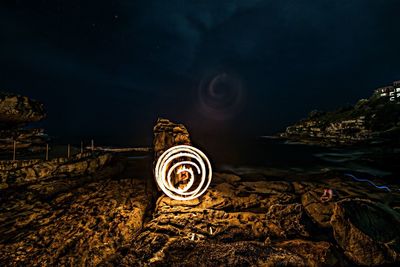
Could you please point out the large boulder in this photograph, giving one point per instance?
(367, 231)
(320, 212)
(16, 109)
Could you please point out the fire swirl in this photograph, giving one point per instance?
(183, 172)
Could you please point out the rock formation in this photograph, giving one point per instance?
(233, 224)
(33, 171)
(168, 134)
(368, 232)
(103, 218)
(16, 109)
(15, 113)
(253, 222)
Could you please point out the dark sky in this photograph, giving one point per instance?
(108, 69)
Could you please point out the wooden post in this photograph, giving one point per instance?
(47, 152)
(69, 151)
(92, 145)
(81, 147)
(15, 151)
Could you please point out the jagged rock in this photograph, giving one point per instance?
(367, 231)
(16, 109)
(80, 227)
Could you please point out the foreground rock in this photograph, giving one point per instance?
(103, 219)
(236, 222)
(233, 224)
(80, 227)
(368, 232)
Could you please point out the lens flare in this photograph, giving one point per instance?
(221, 96)
(183, 172)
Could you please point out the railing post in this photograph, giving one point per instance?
(81, 147)
(47, 152)
(69, 151)
(15, 150)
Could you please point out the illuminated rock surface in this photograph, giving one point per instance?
(168, 134)
(82, 226)
(232, 224)
(32, 171)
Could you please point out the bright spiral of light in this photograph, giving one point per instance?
(180, 159)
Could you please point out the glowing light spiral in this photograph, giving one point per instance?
(183, 161)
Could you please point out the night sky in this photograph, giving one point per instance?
(108, 69)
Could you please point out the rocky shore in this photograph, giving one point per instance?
(110, 213)
(23, 172)
(370, 121)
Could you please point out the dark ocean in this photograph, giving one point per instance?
(269, 154)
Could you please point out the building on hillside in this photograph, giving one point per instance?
(390, 92)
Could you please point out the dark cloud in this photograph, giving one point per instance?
(106, 65)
